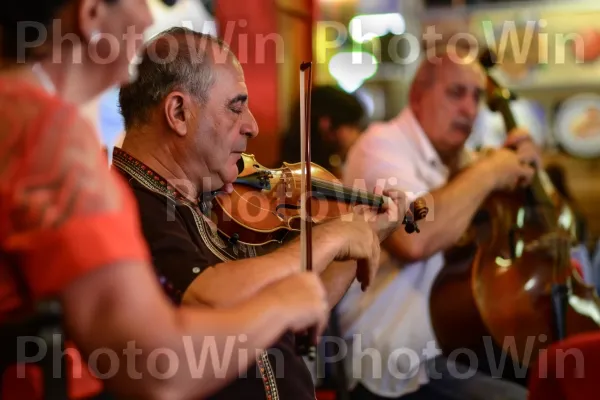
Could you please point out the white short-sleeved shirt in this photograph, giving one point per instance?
(387, 328)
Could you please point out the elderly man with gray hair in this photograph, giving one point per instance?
(187, 124)
(394, 353)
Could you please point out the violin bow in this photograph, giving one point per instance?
(306, 341)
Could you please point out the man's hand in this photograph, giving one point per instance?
(382, 224)
(506, 169)
(355, 240)
(303, 299)
(520, 140)
(386, 220)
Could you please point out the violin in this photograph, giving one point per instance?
(265, 204)
(509, 283)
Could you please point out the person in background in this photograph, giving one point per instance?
(69, 226)
(421, 151)
(337, 119)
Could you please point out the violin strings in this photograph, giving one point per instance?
(346, 194)
(338, 189)
(269, 210)
(339, 192)
(345, 191)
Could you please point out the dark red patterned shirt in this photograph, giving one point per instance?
(184, 243)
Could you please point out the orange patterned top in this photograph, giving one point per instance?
(60, 210)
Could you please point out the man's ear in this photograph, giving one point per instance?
(176, 112)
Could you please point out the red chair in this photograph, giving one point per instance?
(570, 370)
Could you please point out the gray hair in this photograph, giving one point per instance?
(175, 59)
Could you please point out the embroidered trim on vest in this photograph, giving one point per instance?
(154, 182)
(266, 372)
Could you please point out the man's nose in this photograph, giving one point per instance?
(250, 127)
(470, 107)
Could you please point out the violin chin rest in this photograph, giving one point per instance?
(240, 165)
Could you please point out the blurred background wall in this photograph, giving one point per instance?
(550, 59)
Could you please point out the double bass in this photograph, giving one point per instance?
(508, 288)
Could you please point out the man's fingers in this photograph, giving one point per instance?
(517, 136)
(529, 155)
(360, 209)
(394, 194)
(321, 326)
(516, 140)
(529, 173)
(228, 188)
(374, 261)
(526, 175)
(364, 212)
(389, 195)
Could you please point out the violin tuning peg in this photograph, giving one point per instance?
(234, 239)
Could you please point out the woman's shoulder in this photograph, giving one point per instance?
(28, 97)
(35, 126)
(26, 107)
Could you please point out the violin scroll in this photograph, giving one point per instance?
(418, 210)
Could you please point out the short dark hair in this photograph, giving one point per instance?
(160, 71)
(340, 107)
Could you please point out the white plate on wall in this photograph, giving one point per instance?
(577, 125)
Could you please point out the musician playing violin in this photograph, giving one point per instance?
(187, 122)
(422, 150)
